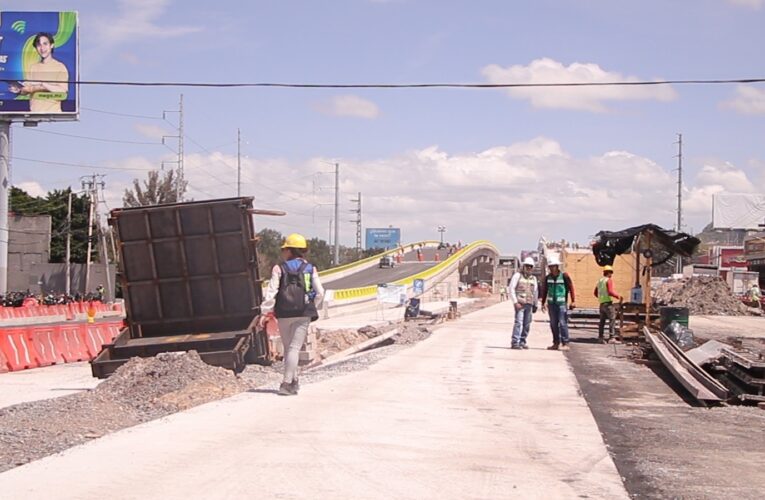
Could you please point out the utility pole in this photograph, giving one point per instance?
(89, 186)
(238, 163)
(179, 181)
(179, 151)
(337, 214)
(69, 245)
(92, 184)
(5, 184)
(679, 224)
(357, 221)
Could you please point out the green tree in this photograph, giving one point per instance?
(320, 253)
(156, 189)
(55, 205)
(269, 250)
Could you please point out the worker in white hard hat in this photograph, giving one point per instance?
(293, 296)
(524, 294)
(556, 290)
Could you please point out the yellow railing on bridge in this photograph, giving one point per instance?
(366, 291)
(373, 258)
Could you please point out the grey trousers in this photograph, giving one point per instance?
(293, 332)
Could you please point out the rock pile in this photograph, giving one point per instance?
(702, 295)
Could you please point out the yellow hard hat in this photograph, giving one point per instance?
(608, 268)
(295, 241)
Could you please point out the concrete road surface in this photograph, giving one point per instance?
(375, 275)
(43, 383)
(456, 416)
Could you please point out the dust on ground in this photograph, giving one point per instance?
(663, 446)
(702, 295)
(141, 390)
(145, 389)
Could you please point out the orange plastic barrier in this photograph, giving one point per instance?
(35, 346)
(18, 352)
(44, 350)
(5, 367)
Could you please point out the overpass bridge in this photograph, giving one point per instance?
(353, 288)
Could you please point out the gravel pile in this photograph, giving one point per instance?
(411, 333)
(702, 295)
(139, 391)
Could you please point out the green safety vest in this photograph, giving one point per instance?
(556, 289)
(603, 296)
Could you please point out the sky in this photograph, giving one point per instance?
(509, 166)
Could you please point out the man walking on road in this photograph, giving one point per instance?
(605, 293)
(524, 293)
(556, 289)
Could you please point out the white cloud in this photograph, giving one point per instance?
(151, 131)
(592, 99)
(349, 105)
(510, 193)
(747, 100)
(752, 4)
(138, 20)
(32, 188)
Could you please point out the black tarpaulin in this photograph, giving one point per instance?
(664, 244)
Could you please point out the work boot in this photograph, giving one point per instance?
(553, 347)
(565, 347)
(286, 390)
(295, 386)
(524, 346)
(515, 346)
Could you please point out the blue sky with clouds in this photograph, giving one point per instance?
(505, 165)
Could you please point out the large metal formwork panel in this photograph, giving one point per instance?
(188, 267)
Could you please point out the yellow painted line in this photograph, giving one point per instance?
(355, 293)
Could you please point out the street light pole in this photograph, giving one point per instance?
(442, 230)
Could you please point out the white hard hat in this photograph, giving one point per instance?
(553, 261)
(528, 261)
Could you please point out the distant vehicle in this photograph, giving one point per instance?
(387, 261)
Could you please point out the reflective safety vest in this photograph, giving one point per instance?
(603, 296)
(524, 290)
(556, 289)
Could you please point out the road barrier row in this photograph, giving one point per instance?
(27, 347)
(69, 310)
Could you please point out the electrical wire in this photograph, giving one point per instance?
(99, 139)
(118, 83)
(124, 115)
(93, 167)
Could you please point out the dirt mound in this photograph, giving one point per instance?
(702, 295)
(173, 381)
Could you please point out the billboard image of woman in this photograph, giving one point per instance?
(38, 60)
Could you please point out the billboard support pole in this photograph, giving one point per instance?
(5, 160)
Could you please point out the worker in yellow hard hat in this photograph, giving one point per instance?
(606, 294)
(293, 296)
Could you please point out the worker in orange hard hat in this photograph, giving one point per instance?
(293, 296)
(605, 293)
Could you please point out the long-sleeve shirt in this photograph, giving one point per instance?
(269, 301)
(514, 285)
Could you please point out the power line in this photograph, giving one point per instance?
(118, 83)
(99, 139)
(124, 115)
(96, 167)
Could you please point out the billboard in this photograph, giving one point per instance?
(383, 237)
(38, 60)
(738, 211)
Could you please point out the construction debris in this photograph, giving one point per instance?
(173, 381)
(702, 295)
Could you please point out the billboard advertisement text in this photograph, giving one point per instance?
(38, 60)
(384, 238)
